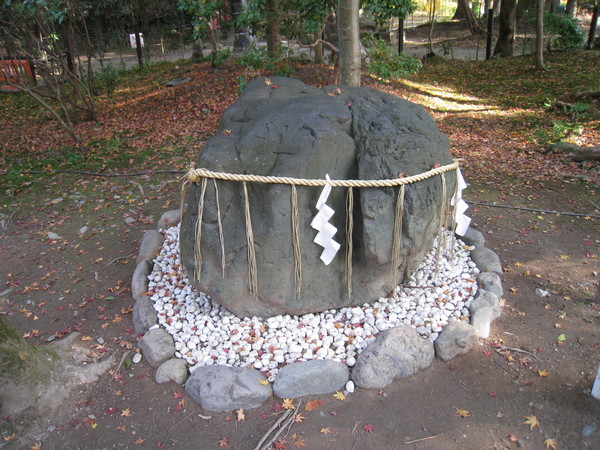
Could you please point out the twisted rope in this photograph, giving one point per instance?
(194, 175)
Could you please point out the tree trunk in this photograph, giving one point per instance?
(400, 35)
(507, 25)
(593, 25)
(526, 6)
(273, 40)
(466, 8)
(570, 9)
(348, 32)
(318, 36)
(197, 50)
(539, 35)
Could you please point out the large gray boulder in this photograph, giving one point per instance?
(221, 388)
(318, 376)
(396, 353)
(291, 129)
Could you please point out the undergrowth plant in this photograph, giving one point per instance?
(564, 32)
(383, 62)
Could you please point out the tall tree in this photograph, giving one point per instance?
(539, 35)
(507, 27)
(464, 10)
(273, 23)
(349, 43)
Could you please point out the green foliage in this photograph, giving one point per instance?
(257, 59)
(220, 57)
(107, 79)
(384, 10)
(567, 30)
(559, 131)
(383, 62)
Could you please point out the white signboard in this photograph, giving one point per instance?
(132, 40)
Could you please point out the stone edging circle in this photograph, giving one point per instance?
(209, 385)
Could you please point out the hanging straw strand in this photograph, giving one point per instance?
(198, 243)
(296, 242)
(349, 242)
(442, 221)
(221, 237)
(397, 238)
(252, 269)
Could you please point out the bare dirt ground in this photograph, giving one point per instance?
(526, 386)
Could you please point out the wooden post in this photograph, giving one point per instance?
(490, 34)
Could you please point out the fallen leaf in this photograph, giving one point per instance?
(564, 256)
(551, 443)
(224, 442)
(288, 403)
(543, 373)
(326, 430)
(532, 421)
(177, 394)
(240, 415)
(369, 428)
(462, 413)
(339, 395)
(314, 404)
(111, 410)
(561, 338)
(513, 438)
(37, 446)
(263, 382)
(558, 325)
(300, 443)
(139, 441)
(280, 444)
(298, 418)
(126, 412)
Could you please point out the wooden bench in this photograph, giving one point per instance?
(15, 71)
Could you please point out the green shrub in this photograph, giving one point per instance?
(567, 30)
(383, 62)
(107, 79)
(220, 57)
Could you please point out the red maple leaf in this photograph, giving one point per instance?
(280, 444)
(178, 394)
(111, 410)
(369, 428)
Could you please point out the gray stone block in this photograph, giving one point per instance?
(396, 353)
(169, 219)
(150, 245)
(486, 260)
(157, 346)
(139, 279)
(473, 237)
(319, 376)
(484, 309)
(457, 338)
(174, 370)
(490, 281)
(221, 388)
(144, 315)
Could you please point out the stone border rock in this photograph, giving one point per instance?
(396, 353)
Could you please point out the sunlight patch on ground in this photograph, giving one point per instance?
(442, 98)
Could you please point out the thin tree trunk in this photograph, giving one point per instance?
(593, 25)
(539, 36)
(347, 22)
(570, 8)
(507, 25)
(400, 35)
(273, 39)
(432, 12)
(318, 36)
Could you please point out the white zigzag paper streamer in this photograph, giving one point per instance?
(460, 206)
(326, 231)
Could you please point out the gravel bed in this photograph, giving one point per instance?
(206, 333)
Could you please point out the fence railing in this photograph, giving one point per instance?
(15, 71)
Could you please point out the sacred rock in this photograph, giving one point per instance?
(287, 128)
